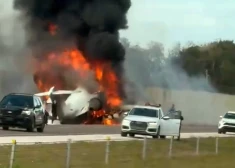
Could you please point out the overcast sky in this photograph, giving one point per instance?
(171, 21)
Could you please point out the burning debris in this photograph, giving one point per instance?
(76, 43)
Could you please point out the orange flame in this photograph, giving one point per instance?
(99, 113)
(108, 121)
(74, 59)
(108, 82)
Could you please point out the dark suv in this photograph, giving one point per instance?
(22, 111)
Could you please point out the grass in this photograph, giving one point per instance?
(124, 154)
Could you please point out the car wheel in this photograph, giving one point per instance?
(123, 134)
(162, 137)
(221, 131)
(132, 135)
(158, 133)
(5, 128)
(31, 126)
(178, 138)
(41, 128)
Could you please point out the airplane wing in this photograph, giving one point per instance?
(42, 94)
(57, 92)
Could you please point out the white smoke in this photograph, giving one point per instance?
(15, 70)
(169, 84)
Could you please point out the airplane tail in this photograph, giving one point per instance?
(51, 90)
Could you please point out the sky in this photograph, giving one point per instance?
(169, 21)
(172, 21)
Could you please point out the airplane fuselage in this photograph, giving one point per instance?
(78, 103)
(74, 104)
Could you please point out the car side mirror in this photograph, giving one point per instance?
(36, 106)
(125, 113)
(220, 116)
(166, 118)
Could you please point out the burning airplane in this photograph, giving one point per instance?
(75, 46)
(80, 106)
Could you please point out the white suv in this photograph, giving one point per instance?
(227, 123)
(150, 120)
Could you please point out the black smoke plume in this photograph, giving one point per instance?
(92, 25)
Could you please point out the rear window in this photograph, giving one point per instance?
(144, 112)
(17, 100)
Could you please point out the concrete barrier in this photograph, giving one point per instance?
(198, 107)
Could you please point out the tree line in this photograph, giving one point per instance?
(206, 67)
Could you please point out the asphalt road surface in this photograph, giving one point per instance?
(51, 130)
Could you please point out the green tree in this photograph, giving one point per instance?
(216, 60)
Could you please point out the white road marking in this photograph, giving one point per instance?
(28, 140)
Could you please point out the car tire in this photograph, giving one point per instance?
(41, 128)
(132, 135)
(162, 137)
(5, 128)
(123, 134)
(178, 138)
(221, 131)
(158, 133)
(31, 126)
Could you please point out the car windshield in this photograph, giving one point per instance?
(144, 112)
(229, 116)
(17, 100)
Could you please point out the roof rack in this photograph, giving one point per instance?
(25, 94)
(154, 105)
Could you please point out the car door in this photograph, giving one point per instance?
(175, 119)
(37, 111)
(42, 107)
(164, 125)
(42, 111)
(173, 123)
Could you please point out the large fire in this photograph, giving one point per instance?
(74, 60)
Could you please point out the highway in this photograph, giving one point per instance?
(53, 130)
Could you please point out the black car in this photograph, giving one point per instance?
(22, 111)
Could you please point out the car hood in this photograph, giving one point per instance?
(13, 108)
(228, 120)
(140, 118)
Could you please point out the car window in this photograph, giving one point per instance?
(17, 100)
(144, 112)
(174, 115)
(39, 102)
(35, 102)
(229, 116)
